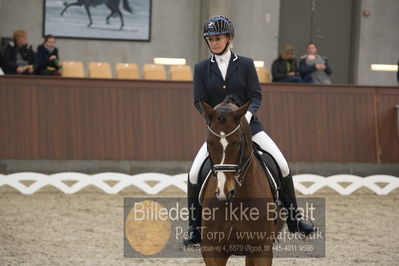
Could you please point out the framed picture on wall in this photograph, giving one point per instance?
(98, 19)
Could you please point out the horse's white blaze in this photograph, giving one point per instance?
(220, 175)
(224, 143)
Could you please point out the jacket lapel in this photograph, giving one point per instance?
(233, 64)
(215, 68)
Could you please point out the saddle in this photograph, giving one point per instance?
(268, 163)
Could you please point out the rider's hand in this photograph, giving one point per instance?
(248, 116)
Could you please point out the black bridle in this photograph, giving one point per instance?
(239, 169)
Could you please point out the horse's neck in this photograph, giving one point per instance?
(256, 183)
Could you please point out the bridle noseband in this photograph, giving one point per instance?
(239, 169)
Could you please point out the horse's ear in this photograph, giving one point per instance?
(208, 113)
(241, 111)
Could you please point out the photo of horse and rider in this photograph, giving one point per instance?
(98, 19)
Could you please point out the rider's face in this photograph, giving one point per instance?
(217, 42)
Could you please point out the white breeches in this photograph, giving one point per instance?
(261, 138)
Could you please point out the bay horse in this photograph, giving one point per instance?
(113, 5)
(237, 184)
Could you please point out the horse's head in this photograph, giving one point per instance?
(229, 145)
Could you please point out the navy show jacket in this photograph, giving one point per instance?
(241, 80)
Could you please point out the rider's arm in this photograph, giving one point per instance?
(254, 94)
(199, 89)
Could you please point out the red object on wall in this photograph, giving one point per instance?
(366, 13)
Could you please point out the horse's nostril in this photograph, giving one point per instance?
(231, 195)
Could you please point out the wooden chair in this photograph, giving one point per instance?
(127, 71)
(154, 72)
(263, 74)
(181, 72)
(72, 69)
(100, 70)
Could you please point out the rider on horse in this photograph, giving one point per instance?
(226, 73)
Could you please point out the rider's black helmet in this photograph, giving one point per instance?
(218, 25)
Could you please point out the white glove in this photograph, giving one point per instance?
(248, 116)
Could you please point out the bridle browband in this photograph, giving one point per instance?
(224, 135)
(239, 169)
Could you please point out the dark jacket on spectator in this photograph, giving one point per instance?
(10, 57)
(306, 70)
(1, 62)
(43, 60)
(280, 68)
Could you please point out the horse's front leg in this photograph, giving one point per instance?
(68, 6)
(108, 17)
(110, 7)
(258, 261)
(251, 261)
(121, 16)
(89, 15)
(215, 261)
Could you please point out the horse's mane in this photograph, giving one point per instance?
(232, 99)
(230, 103)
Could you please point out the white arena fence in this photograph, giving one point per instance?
(306, 184)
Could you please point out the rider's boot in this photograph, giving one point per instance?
(287, 196)
(193, 235)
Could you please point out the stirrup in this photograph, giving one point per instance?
(301, 227)
(304, 228)
(192, 236)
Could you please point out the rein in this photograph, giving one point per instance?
(239, 169)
